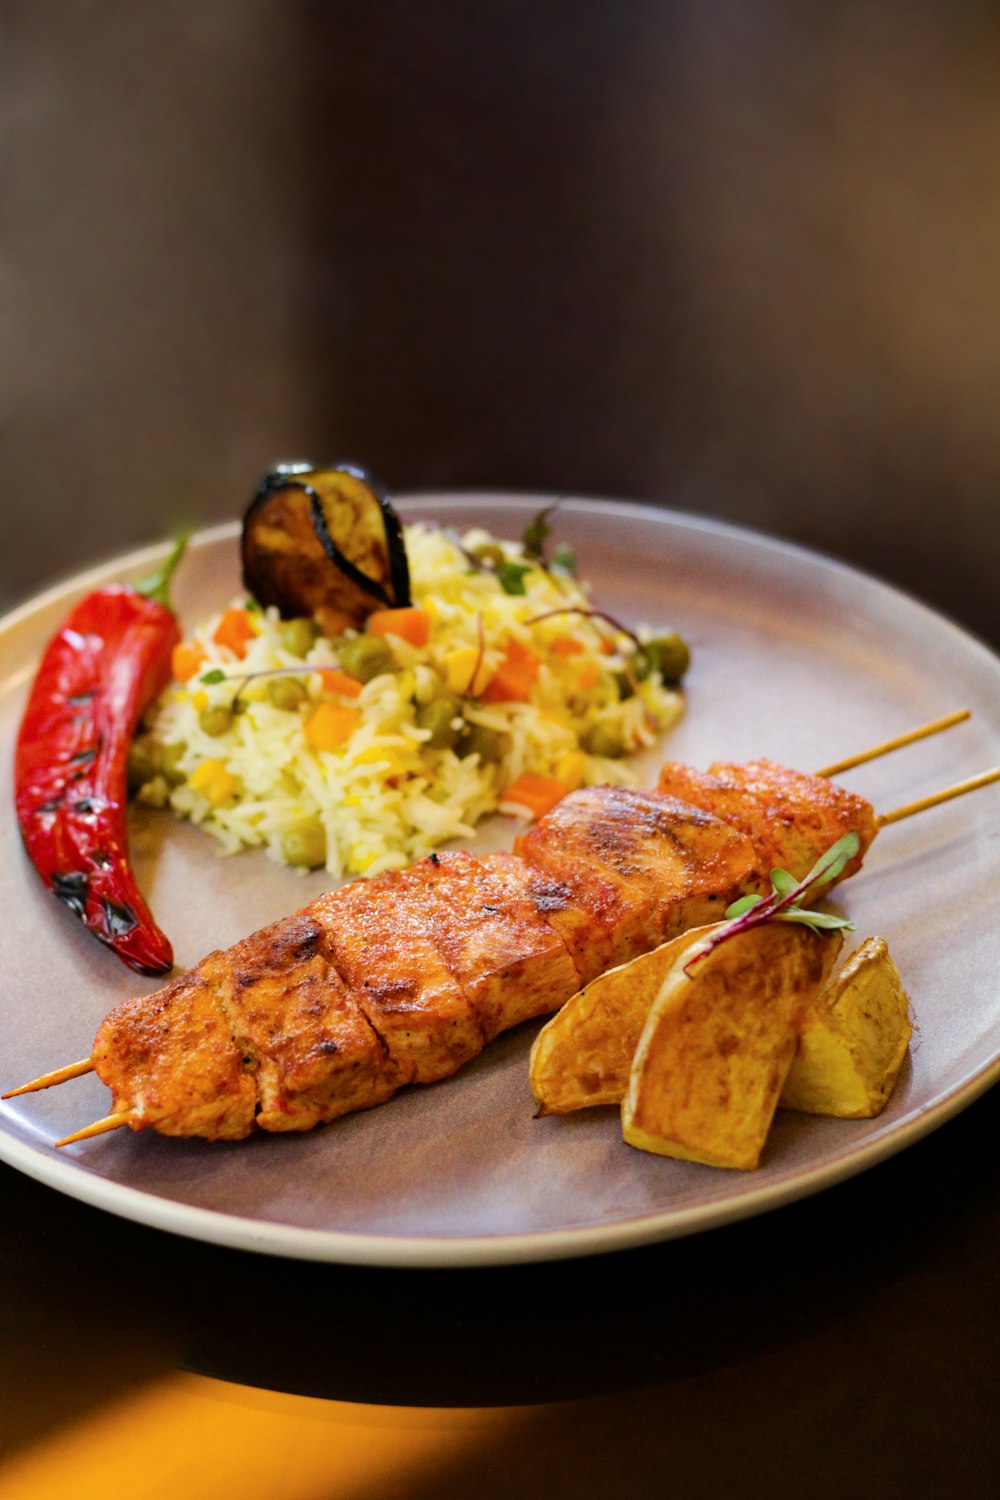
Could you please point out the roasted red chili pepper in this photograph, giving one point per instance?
(101, 670)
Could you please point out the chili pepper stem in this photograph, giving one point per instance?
(157, 585)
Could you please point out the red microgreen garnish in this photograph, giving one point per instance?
(588, 614)
(476, 564)
(509, 573)
(216, 675)
(785, 902)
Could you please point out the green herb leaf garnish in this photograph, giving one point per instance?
(743, 905)
(511, 576)
(536, 534)
(830, 866)
(564, 561)
(817, 920)
(785, 903)
(212, 677)
(782, 883)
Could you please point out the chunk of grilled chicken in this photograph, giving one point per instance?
(646, 867)
(403, 978)
(791, 817)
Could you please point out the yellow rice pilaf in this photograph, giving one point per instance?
(382, 796)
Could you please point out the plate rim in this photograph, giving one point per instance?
(263, 1236)
(342, 1247)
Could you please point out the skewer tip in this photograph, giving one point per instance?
(923, 732)
(99, 1127)
(985, 778)
(47, 1080)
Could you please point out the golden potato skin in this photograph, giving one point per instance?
(854, 1040)
(718, 1044)
(583, 1056)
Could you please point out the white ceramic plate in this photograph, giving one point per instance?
(796, 658)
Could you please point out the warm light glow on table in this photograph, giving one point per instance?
(190, 1438)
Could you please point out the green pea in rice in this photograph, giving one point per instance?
(383, 797)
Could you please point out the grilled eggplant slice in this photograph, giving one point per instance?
(326, 544)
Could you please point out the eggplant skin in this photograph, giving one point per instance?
(326, 544)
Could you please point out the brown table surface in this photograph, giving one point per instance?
(845, 1341)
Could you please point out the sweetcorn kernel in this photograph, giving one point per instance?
(460, 664)
(396, 762)
(570, 770)
(215, 783)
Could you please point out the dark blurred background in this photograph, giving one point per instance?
(742, 259)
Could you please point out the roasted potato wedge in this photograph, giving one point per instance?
(718, 1043)
(854, 1040)
(583, 1056)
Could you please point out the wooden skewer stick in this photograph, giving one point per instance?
(948, 721)
(985, 778)
(99, 1127)
(61, 1075)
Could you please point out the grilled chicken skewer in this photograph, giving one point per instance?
(403, 978)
